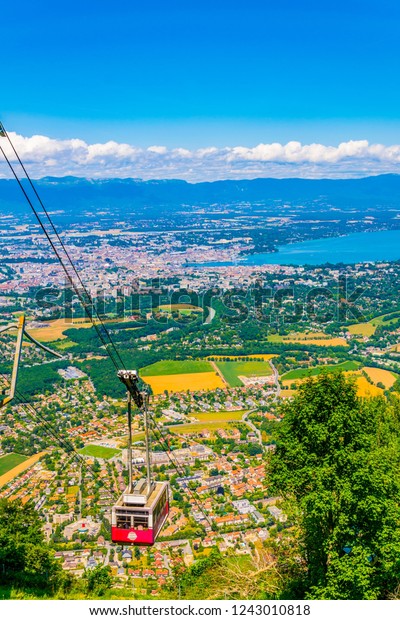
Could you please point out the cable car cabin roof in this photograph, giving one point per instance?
(140, 499)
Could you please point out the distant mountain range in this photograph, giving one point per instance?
(77, 194)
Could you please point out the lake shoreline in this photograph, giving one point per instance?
(347, 249)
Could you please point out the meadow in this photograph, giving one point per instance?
(233, 358)
(73, 490)
(218, 416)
(197, 427)
(369, 327)
(171, 307)
(233, 370)
(99, 452)
(364, 387)
(362, 329)
(9, 461)
(181, 375)
(301, 373)
(136, 437)
(13, 471)
(175, 367)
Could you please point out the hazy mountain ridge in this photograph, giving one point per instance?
(73, 193)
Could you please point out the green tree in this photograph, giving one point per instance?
(98, 580)
(337, 465)
(25, 558)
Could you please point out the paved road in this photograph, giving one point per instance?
(253, 428)
(107, 558)
(276, 379)
(211, 315)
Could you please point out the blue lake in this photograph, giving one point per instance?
(354, 248)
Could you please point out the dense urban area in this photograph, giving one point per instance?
(223, 347)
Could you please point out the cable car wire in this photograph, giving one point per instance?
(87, 303)
(180, 472)
(65, 444)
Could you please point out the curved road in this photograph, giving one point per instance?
(251, 425)
(211, 315)
(276, 379)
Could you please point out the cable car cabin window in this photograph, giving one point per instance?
(123, 522)
(131, 511)
(127, 520)
(159, 507)
(140, 522)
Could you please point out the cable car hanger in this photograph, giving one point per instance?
(142, 509)
(21, 332)
(152, 496)
(148, 498)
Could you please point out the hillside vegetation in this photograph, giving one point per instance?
(336, 469)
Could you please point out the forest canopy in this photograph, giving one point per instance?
(337, 467)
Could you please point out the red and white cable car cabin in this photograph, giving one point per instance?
(138, 516)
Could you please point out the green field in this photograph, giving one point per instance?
(64, 344)
(174, 367)
(189, 307)
(138, 437)
(9, 461)
(232, 370)
(181, 308)
(99, 452)
(300, 373)
(197, 427)
(275, 338)
(218, 416)
(369, 328)
(73, 490)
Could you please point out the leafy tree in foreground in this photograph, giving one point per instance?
(25, 558)
(98, 580)
(337, 465)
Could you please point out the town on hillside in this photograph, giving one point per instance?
(219, 347)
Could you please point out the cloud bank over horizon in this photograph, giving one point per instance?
(46, 156)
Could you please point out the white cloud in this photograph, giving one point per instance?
(109, 151)
(160, 150)
(47, 156)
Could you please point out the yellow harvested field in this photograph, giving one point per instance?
(325, 342)
(364, 388)
(315, 339)
(54, 329)
(287, 393)
(10, 475)
(255, 356)
(288, 382)
(362, 329)
(194, 381)
(378, 375)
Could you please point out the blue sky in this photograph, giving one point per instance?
(193, 74)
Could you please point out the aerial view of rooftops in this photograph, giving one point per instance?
(199, 305)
